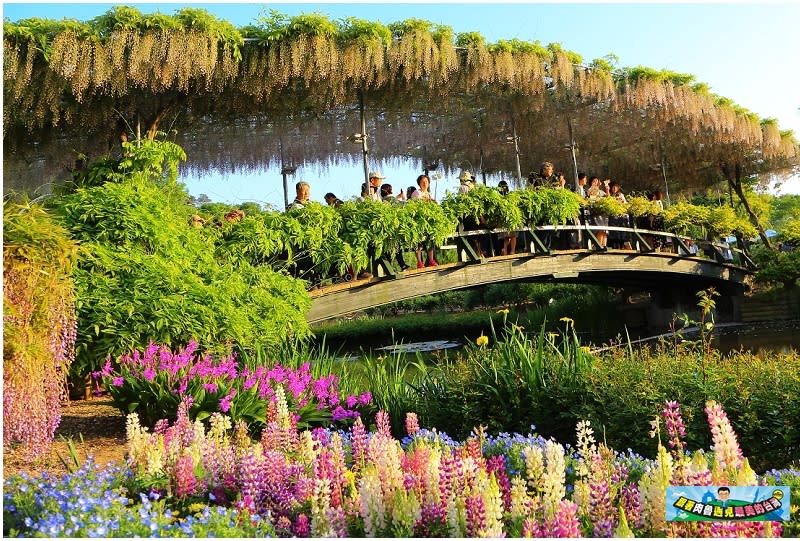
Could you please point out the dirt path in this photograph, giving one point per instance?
(103, 430)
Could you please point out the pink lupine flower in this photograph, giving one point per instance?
(365, 398)
(726, 447)
(118, 381)
(185, 482)
(531, 528)
(210, 387)
(382, 423)
(476, 516)
(412, 423)
(565, 522)
(302, 526)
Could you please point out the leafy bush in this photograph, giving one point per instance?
(484, 202)
(777, 266)
(607, 206)
(145, 274)
(155, 382)
(38, 324)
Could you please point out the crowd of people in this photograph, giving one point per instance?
(589, 187)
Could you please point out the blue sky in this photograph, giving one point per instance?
(746, 52)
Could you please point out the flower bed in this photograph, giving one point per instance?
(184, 479)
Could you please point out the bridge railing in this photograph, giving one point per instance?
(546, 239)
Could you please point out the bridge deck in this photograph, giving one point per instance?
(651, 270)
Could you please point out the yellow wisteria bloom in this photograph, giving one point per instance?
(482, 340)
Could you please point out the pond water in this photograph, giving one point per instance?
(780, 336)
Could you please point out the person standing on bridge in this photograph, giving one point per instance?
(303, 190)
(595, 192)
(423, 193)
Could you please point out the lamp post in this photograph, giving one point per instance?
(515, 140)
(572, 148)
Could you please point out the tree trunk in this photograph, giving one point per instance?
(735, 182)
(152, 130)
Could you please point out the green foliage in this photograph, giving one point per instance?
(782, 209)
(637, 73)
(639, 206)
(484, 202)
(146, 274)
(684, 217)
(38, 324)
(363, 31)
(550, 381)
(153, 160)
(723, 221)
(777, 266)
(470, 39)
(790, 231)
(607, 206)
(410, 26)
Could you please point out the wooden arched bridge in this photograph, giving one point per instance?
(679, 263)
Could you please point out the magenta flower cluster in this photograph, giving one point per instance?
(221, 384)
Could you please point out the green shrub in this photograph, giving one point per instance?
(777, 266)
(552, 382)
(146, 274)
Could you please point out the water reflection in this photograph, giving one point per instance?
(420, 347)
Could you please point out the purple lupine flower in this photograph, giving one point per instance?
(674, 425)
(365, 398)
(601, 509)
(631, 503)
(432, 521)
(497, 465)
(351, 401)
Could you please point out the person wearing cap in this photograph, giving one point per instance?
(467, 182)
(375, 179)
